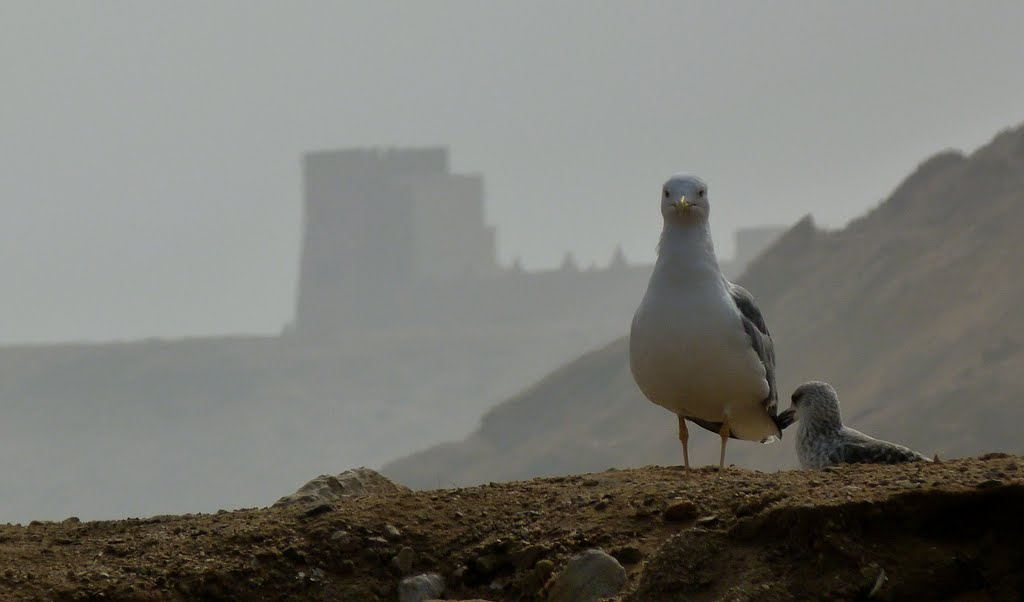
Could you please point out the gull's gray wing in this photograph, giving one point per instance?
(761, 341)
(857, 448)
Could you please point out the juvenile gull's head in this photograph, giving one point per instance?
(817, 403)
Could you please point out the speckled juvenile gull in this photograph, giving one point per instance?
(698, 345)
(822, 440)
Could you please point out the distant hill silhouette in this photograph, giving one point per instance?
(912, 311)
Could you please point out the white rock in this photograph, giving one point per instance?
(420, 588)
(327, 489)
(588, 577)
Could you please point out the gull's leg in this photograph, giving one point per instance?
(684, 437)
(724, 434)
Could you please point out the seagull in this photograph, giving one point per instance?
(822, 440)
(698, 345)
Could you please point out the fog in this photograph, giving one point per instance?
(151, 152)
(153, 186)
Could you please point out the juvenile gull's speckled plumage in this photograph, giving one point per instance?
(822, 440)
(698, 345)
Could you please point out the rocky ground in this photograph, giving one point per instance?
(923, 531)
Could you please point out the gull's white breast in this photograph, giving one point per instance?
(690, 354)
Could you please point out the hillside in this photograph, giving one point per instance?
(911, 532)
(911, 311)
(121, 429)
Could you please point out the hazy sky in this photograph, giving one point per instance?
(149, 152)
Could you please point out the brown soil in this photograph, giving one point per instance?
(935, 531)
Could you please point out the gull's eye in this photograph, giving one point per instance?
(701, 193)
(666, 193)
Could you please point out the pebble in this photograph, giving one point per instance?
(525, 558)
(628, 554)
(588, 577)
(487, 564)
(420, 588)
(681, 511)
(319, 509)
(403, 561)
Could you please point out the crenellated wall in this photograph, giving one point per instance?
(393, 238)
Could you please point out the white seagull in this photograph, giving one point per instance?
(698, 345)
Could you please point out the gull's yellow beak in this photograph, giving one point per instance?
(682, 204)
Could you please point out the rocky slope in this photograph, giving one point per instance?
(911, 311)
(921, 531)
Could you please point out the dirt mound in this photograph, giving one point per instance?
(938, 545)
(934, 529)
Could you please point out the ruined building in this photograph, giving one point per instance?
(392, 238)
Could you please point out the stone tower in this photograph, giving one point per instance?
(377, 224)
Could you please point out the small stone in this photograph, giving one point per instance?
(540, 574)
(347, 567)
(591, 483)
(345, 541)
(403, 561)
(642, 513)
(989, 483)
(681, 511)
(525, 558)
(601, 505)
(319, 509)
(420, 588)
(628, 554)
(588, 577)
(72, 519)
(707, 520)
(544, 568)
(392, 532)
(376, 541)
(487, 564)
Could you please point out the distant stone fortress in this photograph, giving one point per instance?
(392, 238)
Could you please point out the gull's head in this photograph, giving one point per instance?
(817, 402)
(684, 198)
